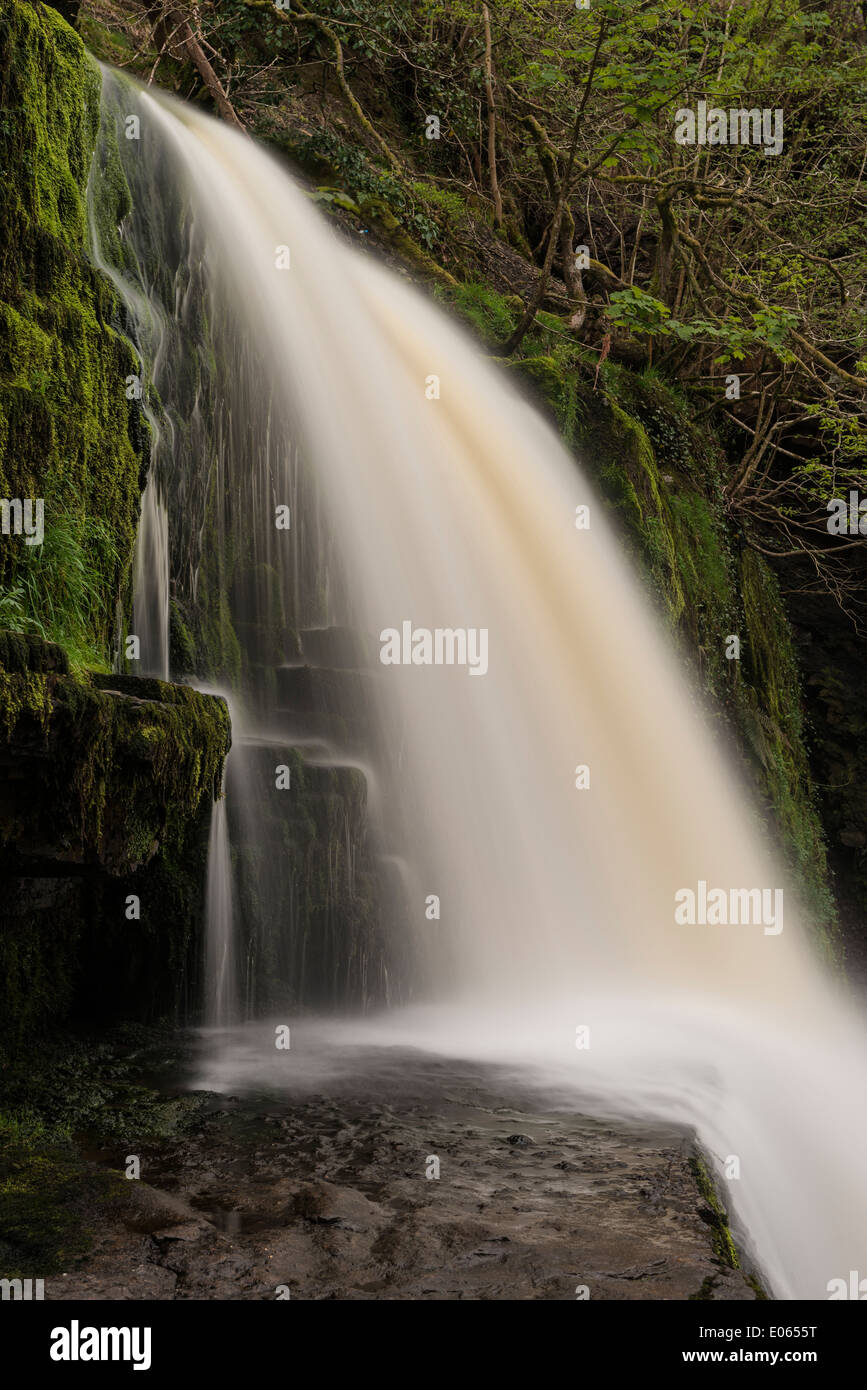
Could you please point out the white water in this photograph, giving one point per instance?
(150, 611)
(221, 1007)
(557, 904)
(151, 564)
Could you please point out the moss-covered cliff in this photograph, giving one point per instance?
(107, 781)
(68, 433)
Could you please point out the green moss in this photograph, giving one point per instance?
(217, 649)
(115, 766)
(550, 375)
(338, 199)
(704, 568)
(449, 207)
(40, 1188)
(20, 651)
(714, 1214)
(108, 45)
(67, 433)
(109, 793)
(772, 718)
(493, 316)
(62, 1091)
(392, 230)
(109, 195)
(24, 697)
(724, 1248)
(651, 520)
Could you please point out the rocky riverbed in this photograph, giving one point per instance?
(324, 1194)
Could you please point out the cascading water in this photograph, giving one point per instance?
(263, 603)
(150, 617)
(150, 612)
(449, 504)
(220, 969)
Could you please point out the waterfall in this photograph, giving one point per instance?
(220, 967)
(152, 332)
(150, 611)
(423, 491)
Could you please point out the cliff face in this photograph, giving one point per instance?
(107, 780)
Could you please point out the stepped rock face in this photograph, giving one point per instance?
(104, 811)
(101, 771)
(322, 911)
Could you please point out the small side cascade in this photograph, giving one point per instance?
(221, 1004)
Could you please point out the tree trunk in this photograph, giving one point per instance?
(535, 301)
(172, 31)
(492, 121)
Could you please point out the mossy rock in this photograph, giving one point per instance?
(106, 797)
(103, 771)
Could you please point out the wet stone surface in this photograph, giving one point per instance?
(328, 1197)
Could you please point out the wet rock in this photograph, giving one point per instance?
(335, 1202)
(188, 1230)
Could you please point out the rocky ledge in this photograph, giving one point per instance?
(106, 785)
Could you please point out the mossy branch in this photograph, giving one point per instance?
(535, 301)
(492, 120)
(545, 152)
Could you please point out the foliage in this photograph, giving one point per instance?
(58, 589)
(372, 187)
